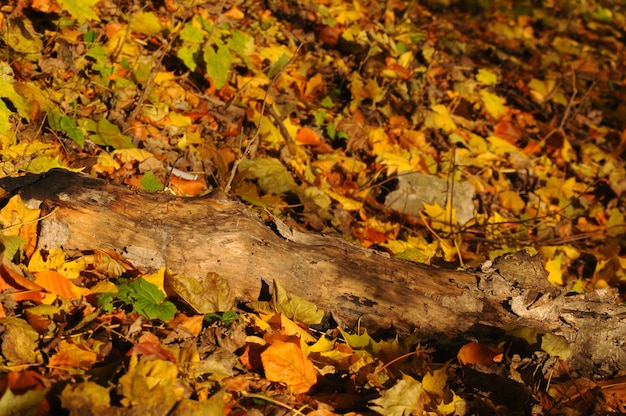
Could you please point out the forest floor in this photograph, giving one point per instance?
(444, 134)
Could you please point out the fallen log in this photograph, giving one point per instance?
(217, 234)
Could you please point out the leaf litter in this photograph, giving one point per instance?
(315, 112)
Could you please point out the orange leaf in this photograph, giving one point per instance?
(508, 130)
(307, 136)
(55, 282)
(25, 289)
(285, 362)
(474, 353)
(182, 187)
(192, 323)
(73, 355)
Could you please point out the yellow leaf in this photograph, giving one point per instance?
(347, 203)
(179, 120)
(16, 215)
(493, 104)
(511, 200)
(157, 279)
(435, 382)
(287, 326)
(128, 155)
(54, 260)
(147, 23)
(440, 118)
(555, 271)
(284, 362)
(486, 77)
(541, 89)
(73, 355)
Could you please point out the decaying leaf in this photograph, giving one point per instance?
(208, 295)
(294, 307)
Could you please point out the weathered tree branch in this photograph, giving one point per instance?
(217, 234)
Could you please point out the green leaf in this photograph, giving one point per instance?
(81, 10)
(226, 318)
(242, 45)
(25, 403)
(186, 53)
(278, 65)
(74, 132)
(106, 133)
(13, 244)
(150, 182)
(218, 65)
(145, 298)
(192, 34)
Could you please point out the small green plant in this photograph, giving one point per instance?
(144, 297)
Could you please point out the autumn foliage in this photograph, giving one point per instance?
(442, 132)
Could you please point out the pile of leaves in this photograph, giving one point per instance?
(442, 133)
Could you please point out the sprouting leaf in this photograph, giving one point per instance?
(145, 298)
(285, 362)
(67, 125)
(150, 182)
(187, 53)
(242, 45)
(81, 10)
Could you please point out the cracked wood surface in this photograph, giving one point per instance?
(217, 234)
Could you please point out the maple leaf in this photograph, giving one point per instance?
(285, 362)
(405, 397)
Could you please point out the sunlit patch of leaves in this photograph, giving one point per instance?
(320, 112)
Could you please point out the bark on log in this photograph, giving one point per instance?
(216, 234)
